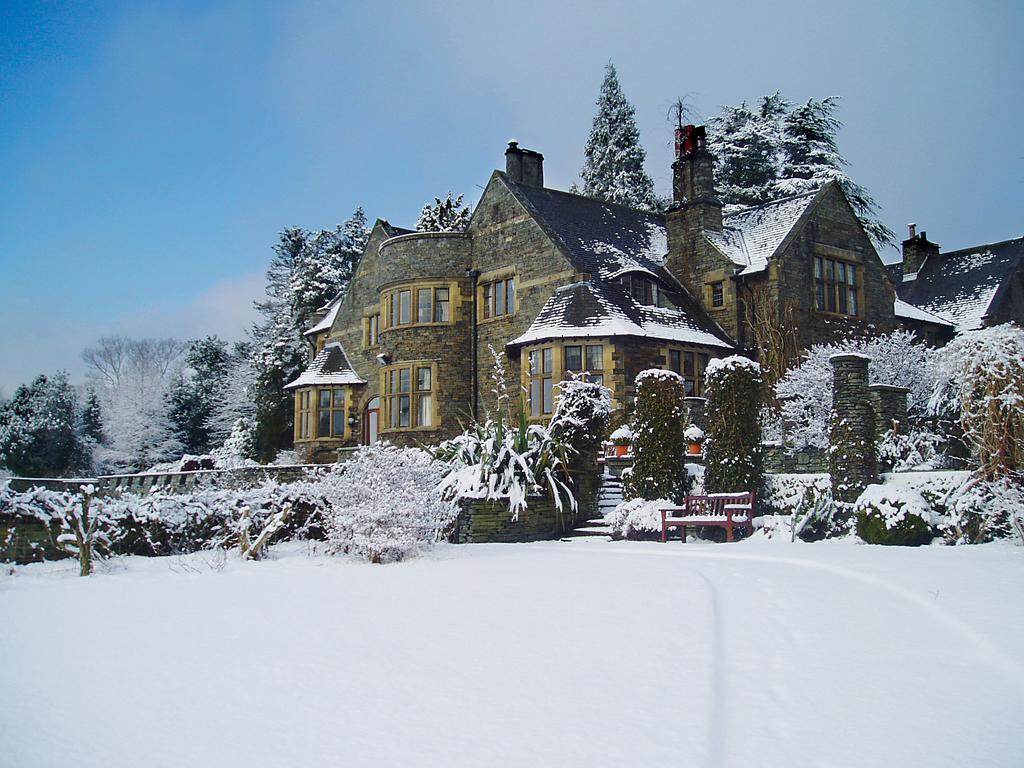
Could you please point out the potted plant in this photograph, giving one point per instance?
(694, 440)
(622, 439)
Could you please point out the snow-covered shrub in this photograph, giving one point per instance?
(894, 514)
(732, 450)
(981, 510)
(982, 386)
(805, 392)
(582, 413)
(496, 461)
(637, 517)
(805, 501)
(918, 449)
(386, 503)
(659, 419)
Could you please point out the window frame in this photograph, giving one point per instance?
(677, 359)
(308, 409)
(488, 291)
(442, 305)
(544, 383)
(371, 330)
(828, 274)
(393, 391)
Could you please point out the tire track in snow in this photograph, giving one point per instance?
(719, 710)
(983, 648)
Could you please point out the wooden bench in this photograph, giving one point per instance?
(721, 510)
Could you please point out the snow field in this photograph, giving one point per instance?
(564, 654)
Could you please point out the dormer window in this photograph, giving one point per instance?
(642, 289)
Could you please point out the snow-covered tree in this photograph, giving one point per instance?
(305, 273)
(981, 385)
(132, 379)
(198, 387)
(236, 402)
(448, 215)
(805, 391)
(39, 429)
(777, 149)
(613, 168)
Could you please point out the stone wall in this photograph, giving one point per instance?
(490, 521)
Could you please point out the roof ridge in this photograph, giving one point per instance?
(595, 200)
(1019, 238)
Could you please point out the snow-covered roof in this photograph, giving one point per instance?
(962, 285)
(330, 367)
(910, 312)
(593, 309)
(331, 310)
(601, 239)
(750, 237)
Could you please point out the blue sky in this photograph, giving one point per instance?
(151, 152)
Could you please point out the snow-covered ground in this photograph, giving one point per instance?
(587, 653)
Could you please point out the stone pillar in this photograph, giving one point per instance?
(890, 404)
(852, 459)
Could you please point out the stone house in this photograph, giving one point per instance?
(556, 283)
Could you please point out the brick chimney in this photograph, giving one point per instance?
(693, 178)
(916, 249)
(524, 165)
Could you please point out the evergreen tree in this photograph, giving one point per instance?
(278, 349)
(810, 158)
(613, 168)
(236, 400)
(38, 434)
(778, 150)
(448, 215)
(193, 395)
(92, 417)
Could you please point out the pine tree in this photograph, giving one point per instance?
(448, 215)
(92, 417)
(193, 395)
(613, 168)
(780, 150)
(38, 434)
(810, 158)
(236, 398)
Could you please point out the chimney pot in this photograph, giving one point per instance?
(913, 230)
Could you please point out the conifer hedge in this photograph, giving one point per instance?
(732, 450)
(660, 417)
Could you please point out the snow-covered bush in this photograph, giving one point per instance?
(582, 413)
(981, 385)
(637, 517)
(621, 435)
(981, 510)
(496, 461)
(805, 392)
(805, 502)
(386, 503)
(894, 514)
(918, 449)
(659, 447)
(732, 450)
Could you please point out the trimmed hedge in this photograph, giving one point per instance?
(660, 417)
(732, 450)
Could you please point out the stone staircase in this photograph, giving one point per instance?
(608, 497)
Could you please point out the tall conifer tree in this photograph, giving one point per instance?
(614, 166)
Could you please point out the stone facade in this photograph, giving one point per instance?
(508, 238)
(852, 460)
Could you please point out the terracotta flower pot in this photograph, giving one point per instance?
(621, 450)
(694, 449)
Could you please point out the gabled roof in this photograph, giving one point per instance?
(331, 311)
(595, 308)
(601, 239)
(750, 237)
(330, 367)
(962, 285)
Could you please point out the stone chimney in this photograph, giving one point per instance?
(916, 249)
(524, 165)
(693, 178)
